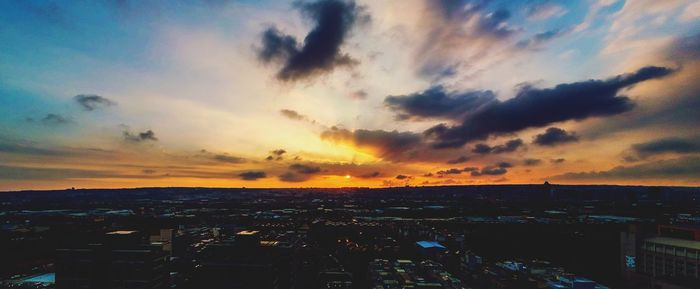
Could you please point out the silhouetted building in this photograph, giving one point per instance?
(245, 262)
(123, 260)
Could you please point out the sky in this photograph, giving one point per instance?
(335, 93)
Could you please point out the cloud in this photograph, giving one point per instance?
(539, 39)
(386, 144)
(228, 159)
(449, 172)
(441, 182)
(504, 165)
(676, 145)
(675, 169)
(554, 136)
(28, 148)
(32, 173)
(299, 173)
(544, 10)
(557, 161)
(320, 52)
(294, 115)
(509, 146)
(494, 23)
(685, 48)
(534, 107)
(370, 175)
(403, 177)
(148, 135)
(492, 170)
(531, 162)
(276, 155)
(671, 107)
(91, 102)
(54, 119)
(458, 160)
(489, 171)
(460, 35)
(252, 175)
(359, 95)
(305, 169)
(435, 102)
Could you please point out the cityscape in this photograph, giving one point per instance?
(501, 236)
(349, 144)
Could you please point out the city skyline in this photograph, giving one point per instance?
(348, 93)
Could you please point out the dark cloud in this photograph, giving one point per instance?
(509, 146)
(31, 173)
(386, 144)
(554, 136)
(489, 171)
(534, 107)
(557, 161)
(148, 171)
(403, 177)
(299, 173)
(685, 48)
(320, 52)
(91, 102)
(676, 145)
(531, 162)
(441, 182)
(54, 119)
(228, 159)
(470, 169)
(252, 175)
(28, 148)
(438, 103)
(294, 115)
(675, 106)
(370, 175)
(148, 135)
(539, 39)
(504, 165)
(359, 95)
(305, 169)
(674, 169)
(276, 155)
(481, 148)
(495, 24)
(450, 172)
(458, 160)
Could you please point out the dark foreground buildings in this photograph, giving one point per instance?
(123, 259)
(666, 259)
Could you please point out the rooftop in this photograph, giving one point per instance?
(430, 244)
(121, 232)
(675, 242)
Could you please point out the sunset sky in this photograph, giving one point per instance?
(331, 93)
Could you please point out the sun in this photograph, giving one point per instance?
(347, 177)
